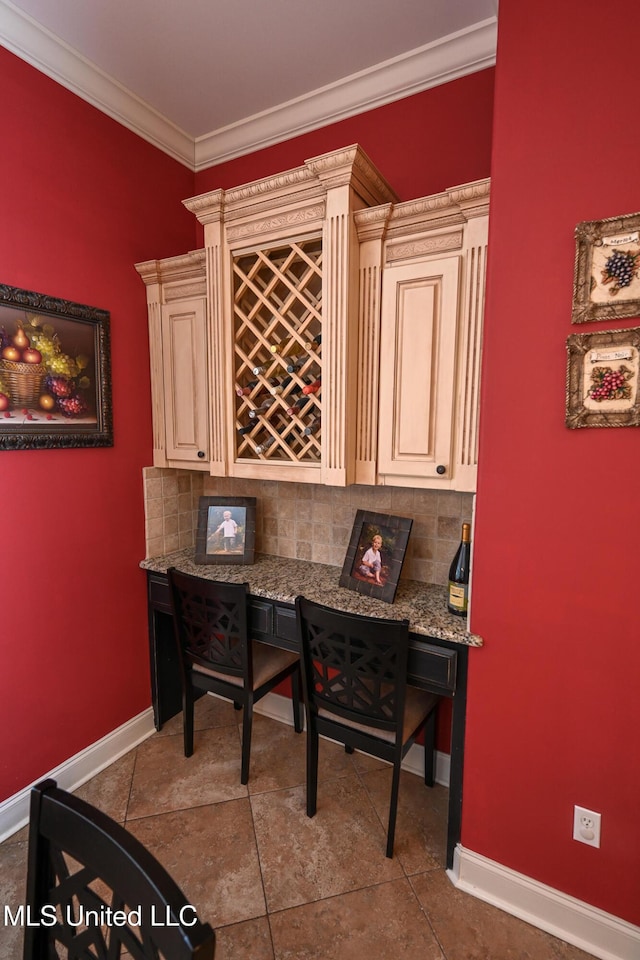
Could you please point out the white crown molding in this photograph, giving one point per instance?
(586, 927)
(449, 58)
(33, 43)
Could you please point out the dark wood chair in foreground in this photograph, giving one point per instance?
(218, 655)
(354, 671)
(95, 891)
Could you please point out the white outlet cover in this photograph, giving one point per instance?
(586, 826)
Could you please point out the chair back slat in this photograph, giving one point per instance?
(355, 667)
(210, 619)
(83, 866)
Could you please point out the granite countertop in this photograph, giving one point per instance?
(424, 605)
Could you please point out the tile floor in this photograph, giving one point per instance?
(277, 885)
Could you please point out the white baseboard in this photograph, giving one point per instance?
(279, 708)
(586, 927)
(72, 773)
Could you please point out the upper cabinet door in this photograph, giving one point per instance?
(417, 369)
(184, 343)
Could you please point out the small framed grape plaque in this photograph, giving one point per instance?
(55, 373)
(603, 370)
(606, 284)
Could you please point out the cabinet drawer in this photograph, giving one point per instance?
(286, 625)
(159, 594)
(432, 667)
(261, 617)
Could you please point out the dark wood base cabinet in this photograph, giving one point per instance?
(434, 664)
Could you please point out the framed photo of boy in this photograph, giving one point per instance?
(226, 530)
(375, 554)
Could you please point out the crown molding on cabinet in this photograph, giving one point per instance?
(448, 58)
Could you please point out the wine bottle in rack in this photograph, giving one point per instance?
(284, 347)
(245, 390)
(246, 429)
(265, 445)
(298, 404)
(257, 371)
(312, 344)
(295, 363)
(459, 570)
(313, 427)
(261, 409)
(280, 386)
(312, 387)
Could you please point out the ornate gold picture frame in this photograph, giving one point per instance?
(606, 284)
(603, 370)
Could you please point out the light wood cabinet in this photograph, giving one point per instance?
(421, 308)
(282, 260)
(178, 347)
(326, 333)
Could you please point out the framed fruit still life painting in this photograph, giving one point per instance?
(55, 373)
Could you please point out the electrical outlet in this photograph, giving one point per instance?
(586, 826)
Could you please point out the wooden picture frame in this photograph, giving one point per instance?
(236, 544)
(603, 372)
(371, 575)
(606, 284)
(55, 373)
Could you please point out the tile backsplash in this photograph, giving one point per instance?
(309, 521)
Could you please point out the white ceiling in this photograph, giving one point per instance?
(207, 80)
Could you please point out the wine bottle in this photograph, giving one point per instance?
(312, 387)
(284, 347)
(263, 406)
(258, 370)
(263, 447)
(246, 429)
(459, 575)
(295, 363)
(298, 403)
(279, 386)
(312, 344)
(247, 388)
(313, 427)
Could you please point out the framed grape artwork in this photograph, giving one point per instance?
(375, 554)
(603, 370)
(606, 284)
(55, 373)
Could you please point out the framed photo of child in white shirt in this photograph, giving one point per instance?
(226, 530)
(375, 555)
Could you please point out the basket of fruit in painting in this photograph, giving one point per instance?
(23, 381)
(35, 373)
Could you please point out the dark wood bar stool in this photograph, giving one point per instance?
(354, 671)
(82, 868)
(217, 655)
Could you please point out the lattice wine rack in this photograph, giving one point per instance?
(277, 352)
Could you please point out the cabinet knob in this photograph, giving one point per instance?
(441, 469)
(201, 454)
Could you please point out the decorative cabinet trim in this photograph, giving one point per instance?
(420, 426)
(386, 273)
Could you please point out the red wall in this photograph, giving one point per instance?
(554, 710)
(88, 199)
(83, 199)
